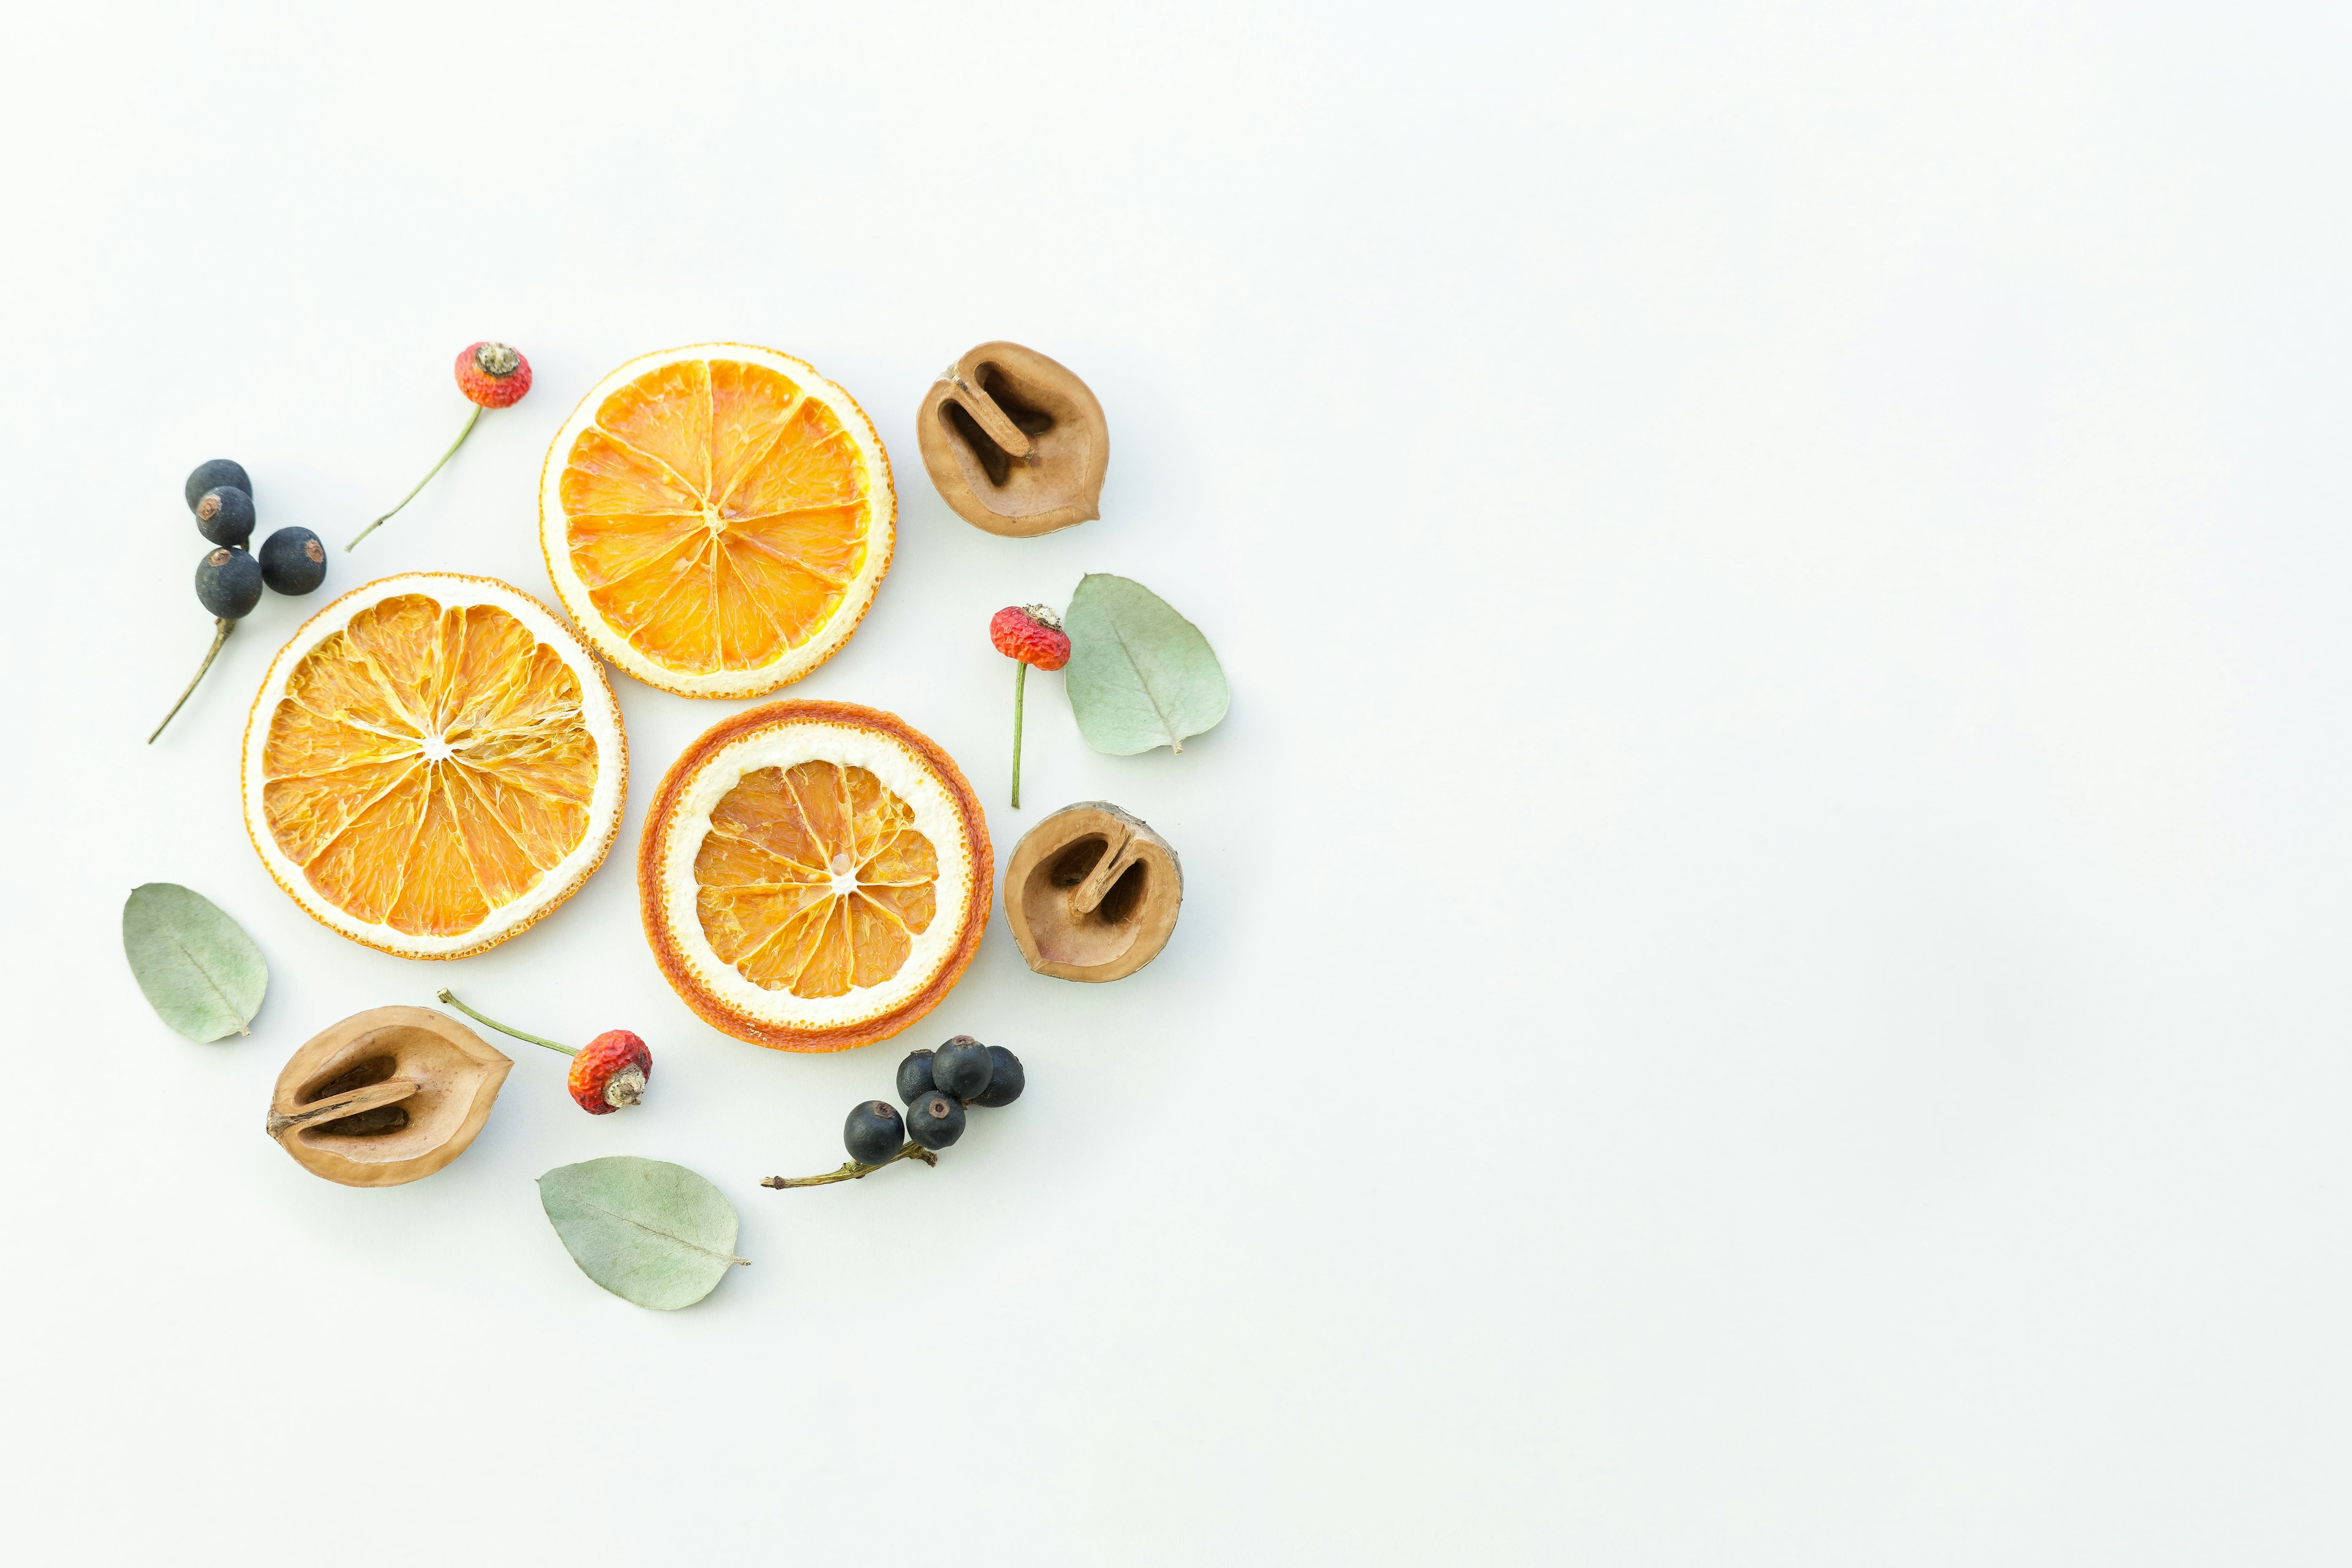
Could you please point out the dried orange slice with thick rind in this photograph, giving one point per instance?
(814, 876)
(716, 518)
(432, 763)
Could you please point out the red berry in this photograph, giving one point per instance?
(493, 375)
(610, 1072)
(1032, 633)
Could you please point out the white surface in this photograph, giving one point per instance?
(1763, 972)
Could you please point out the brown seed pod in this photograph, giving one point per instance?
(1014, 442)
(1092, 893)
(385, 1096)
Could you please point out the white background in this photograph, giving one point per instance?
(1762, 978)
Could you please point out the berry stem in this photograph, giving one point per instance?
(1020, 685)
(466, 430)
(503, 1029)
(222, 627)
(852, 1170)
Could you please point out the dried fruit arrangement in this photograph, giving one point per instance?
(435, 762)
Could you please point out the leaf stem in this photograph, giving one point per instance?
(1020, 684)
(852, 1170)
(466, 430)
(222, 627)
(445, 995)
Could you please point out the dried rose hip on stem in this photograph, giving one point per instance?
(607, 1073)
(491, 375)
(1026, 634)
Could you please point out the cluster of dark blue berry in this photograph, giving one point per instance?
(230, 579)
(937, 1088)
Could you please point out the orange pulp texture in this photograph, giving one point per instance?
(715, 514)
(426, 767)
(813, 879)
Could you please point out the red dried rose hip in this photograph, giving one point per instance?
(1032, 633)
(610, 1072)
(493, 375)
(607, 1073)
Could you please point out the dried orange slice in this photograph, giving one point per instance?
(716, 518)
(813, 875)
(434, 763)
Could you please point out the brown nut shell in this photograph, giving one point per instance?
(1014, 442)
(385, 1096)
(1091, 893)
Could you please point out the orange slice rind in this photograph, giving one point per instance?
(716, 518)
(813, 875)
(434, 761)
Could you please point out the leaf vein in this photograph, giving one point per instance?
(655, 1230)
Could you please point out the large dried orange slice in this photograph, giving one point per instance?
(434, 763)
(814, 875)
(716, 518)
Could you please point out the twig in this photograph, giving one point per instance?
(852, 1170)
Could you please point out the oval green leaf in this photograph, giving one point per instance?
(1140, 674)
(647, 1230)
(201, 972)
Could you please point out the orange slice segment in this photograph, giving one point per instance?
(716, 518)
(433, 764)
(789, 881)
(814, 876)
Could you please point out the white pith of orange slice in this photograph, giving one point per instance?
(813, 875)
(432, 763)
(716, 518)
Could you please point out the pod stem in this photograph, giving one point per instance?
(222, 627)
(466, 430)
(1020, 685)
(445, 995)
(852, 1170)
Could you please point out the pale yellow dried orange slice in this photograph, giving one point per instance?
(813, 875)
(434, 763)
(716, 518)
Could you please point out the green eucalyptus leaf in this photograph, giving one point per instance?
(1140, 674)
(647, 1230)
(201, 972)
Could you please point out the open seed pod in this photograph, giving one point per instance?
(1092, 893)
(1014, 442)
(385, 1096)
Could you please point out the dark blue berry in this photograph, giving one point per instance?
(211, 475)
(961, 1068)
(293, 561)
(1005, 1078)
(914, 1077)
(873, 1132)
(229, 583)
(935, 1119)
(225, 516)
